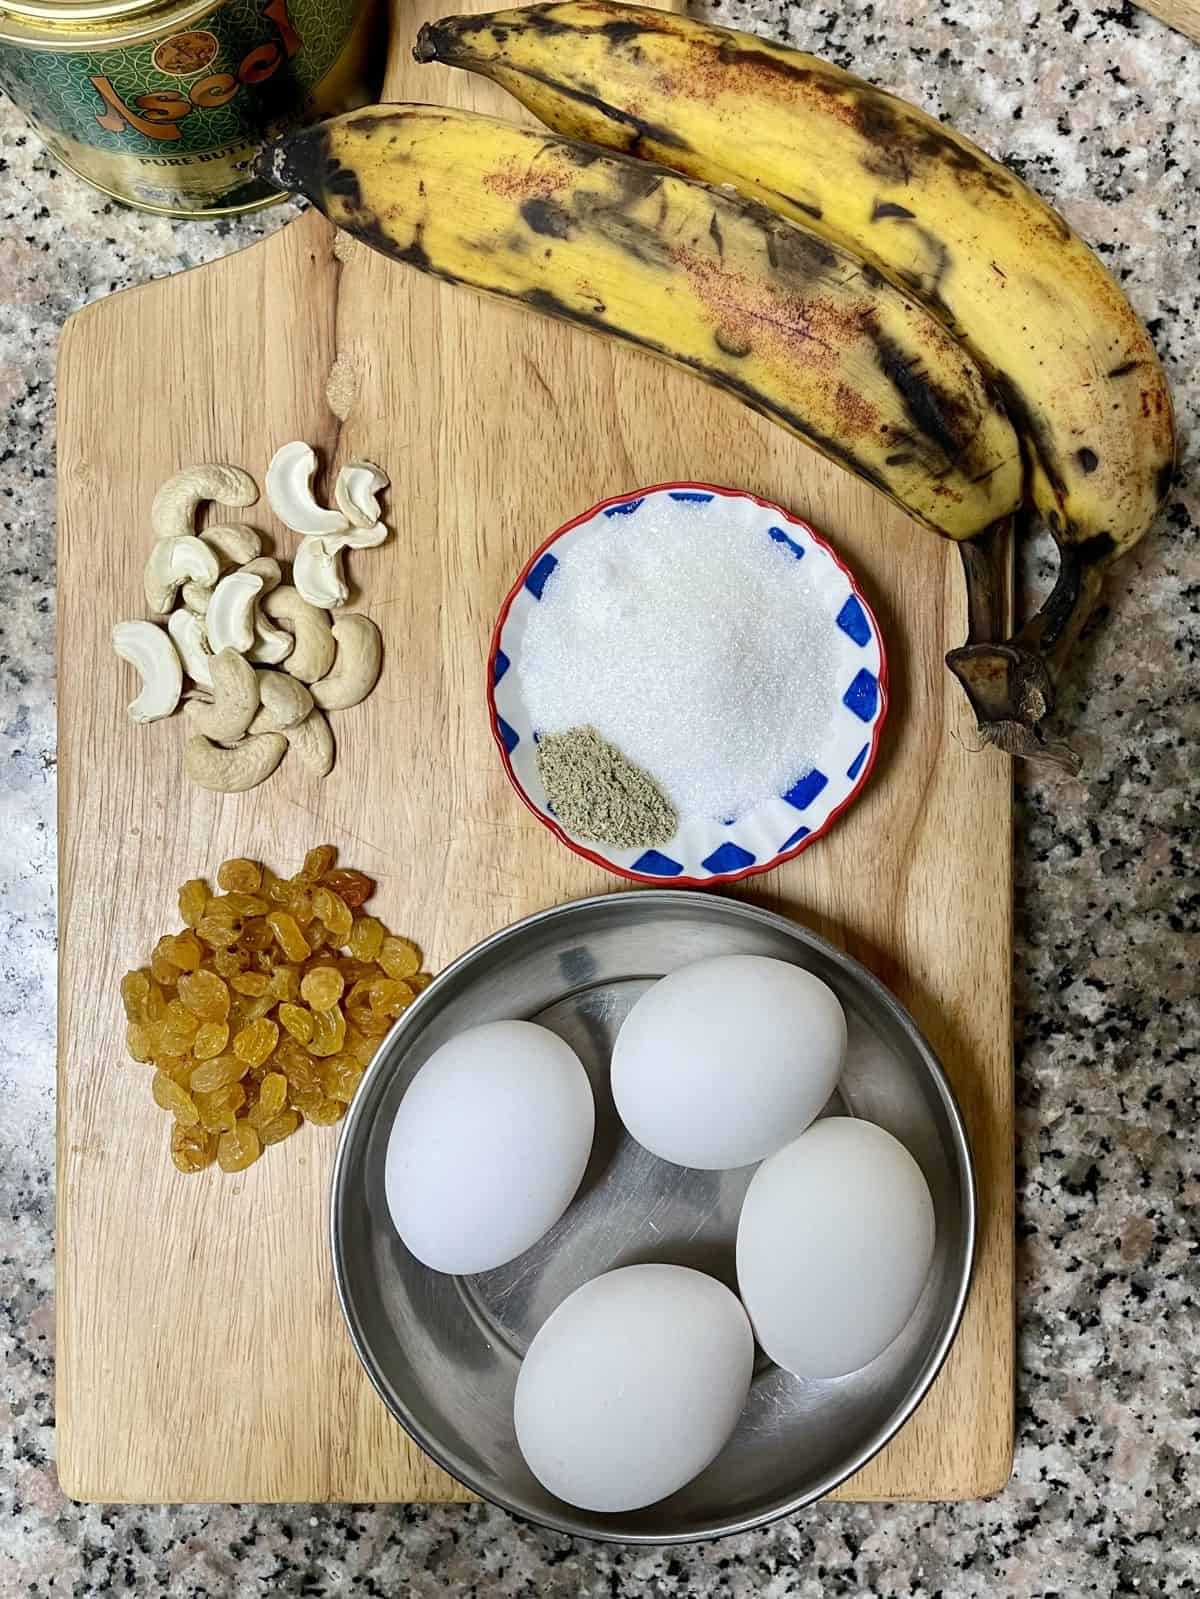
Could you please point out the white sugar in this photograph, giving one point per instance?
(697, 647)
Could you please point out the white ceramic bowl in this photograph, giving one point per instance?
(704, 852)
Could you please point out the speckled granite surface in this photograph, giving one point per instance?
(1099, 109)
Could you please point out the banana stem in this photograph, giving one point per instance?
(1011, 684)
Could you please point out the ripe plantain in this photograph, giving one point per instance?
(791, 325)
(878, 177)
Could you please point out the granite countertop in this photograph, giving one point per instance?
(1097, 107)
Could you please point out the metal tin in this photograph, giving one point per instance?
(444, 1352)
(164, 106)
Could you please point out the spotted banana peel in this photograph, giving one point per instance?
(998, 267)
(790, 324)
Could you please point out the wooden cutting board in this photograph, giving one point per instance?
(201, 1354)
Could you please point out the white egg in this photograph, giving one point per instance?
(632, 1386)
(834, 1245)
(488, 1146)
(725, 1061)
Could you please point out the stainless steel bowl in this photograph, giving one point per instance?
(444, 1351)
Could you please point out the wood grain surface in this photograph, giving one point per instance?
(201, 1355)
(1183, 15)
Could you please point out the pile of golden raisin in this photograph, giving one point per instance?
(266, 1009)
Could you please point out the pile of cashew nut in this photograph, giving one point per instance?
(225, 620)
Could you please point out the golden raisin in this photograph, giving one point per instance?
(272, 1097)
(240, 875)
(297, 1020)
(352, 888)
(178, 1068)
(193, 897)
(359, 1047)
(322, 987)
(218, 1110)
(217, 933)
(162, 969)
(218, 1073)
(329, 1032)
(366, 938)
(301, 907)
(135, 991)
(177, 1100)
(419, 981)
(186, 951)
(192, 1149)
(324, 1112)
(243, 905)
(210, 1040)
(317, 862)
(306, 1098)
(390, 996)
(140, 1041)
(238, 1148)
(340, 1077)
(254, 1042)
(205, 994)
(399, 957)
(220, 909)
(280, 1127)
(300, 1069)
(178, 1028)
(285, 982)
(228, 962)
(288, 935)
(334, 913)
(252, 983)
(276, 889)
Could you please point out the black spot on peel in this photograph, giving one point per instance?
(927, 406)
(903, 459)
(718, 238)
(1088, 459)
(883, 209)
(809, 209)
(547, 218)
(636, 128)
(1033, 430)
(793, 251)
(1123, 370)
(618, 33)
(1163, 479)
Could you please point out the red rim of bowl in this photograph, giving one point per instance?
(747, 871)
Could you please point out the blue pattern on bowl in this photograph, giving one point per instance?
(702, 850)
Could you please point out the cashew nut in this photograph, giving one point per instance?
(187, 633)
(285, 702)
(356, 669)
(290, 495)
(196, 596)
(172, 562)
(234, 701)
(271, 644)
(233, 542)
(363, 538)
(315, 649)
(232, 771)
(229, 620)
(150, 651)
(317, 573)
(173, 513)
(266, 567)
(355, 491)
(313, 743)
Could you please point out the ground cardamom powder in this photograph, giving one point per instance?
(599, 794)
